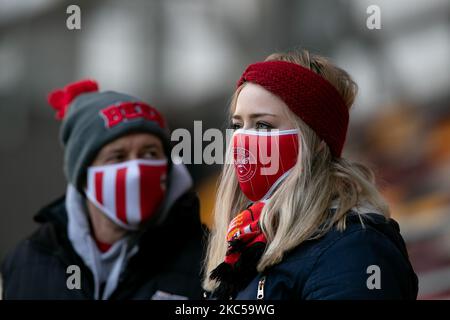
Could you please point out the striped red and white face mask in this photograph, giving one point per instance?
(129, 193)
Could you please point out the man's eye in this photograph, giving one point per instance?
(153, 153)
(263, 125)
(115, 158)
(150, 155)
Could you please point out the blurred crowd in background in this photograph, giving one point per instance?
(184, 57)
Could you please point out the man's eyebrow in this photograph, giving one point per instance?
(150, 145)
(114, 149)
(108, 152)
(254, 115)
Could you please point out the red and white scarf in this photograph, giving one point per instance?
(246, 244)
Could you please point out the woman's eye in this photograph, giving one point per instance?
(263, 125)
(235, 126)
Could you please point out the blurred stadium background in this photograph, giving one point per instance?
(185, 56)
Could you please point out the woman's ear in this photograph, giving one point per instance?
(321, 146)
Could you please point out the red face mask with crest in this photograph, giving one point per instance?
(262, 159)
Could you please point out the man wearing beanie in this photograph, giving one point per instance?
(128, 225)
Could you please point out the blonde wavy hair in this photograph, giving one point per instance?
(299, 209)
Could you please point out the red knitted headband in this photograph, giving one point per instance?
(308, 95)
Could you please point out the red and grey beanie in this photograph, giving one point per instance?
(91, 119)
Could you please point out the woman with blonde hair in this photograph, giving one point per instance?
(293, 219)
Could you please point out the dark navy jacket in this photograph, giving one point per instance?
(168, 260)
(336, 266)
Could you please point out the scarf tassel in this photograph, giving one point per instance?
(237, 277)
